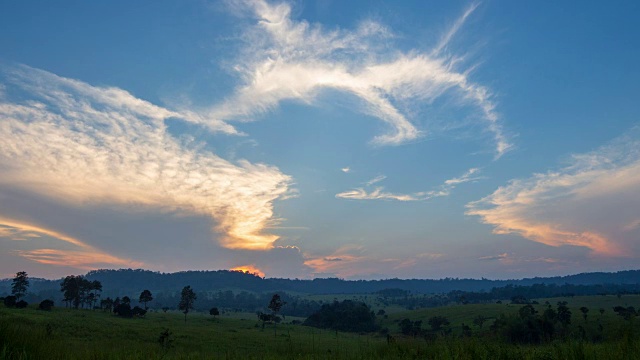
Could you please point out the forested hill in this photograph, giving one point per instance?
(132, 281)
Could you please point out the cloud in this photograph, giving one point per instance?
(376, 179)
(285, 59)
(353, 261)
(80, 256)
(379, 193)
(502, 256)
(82, 145)
(346, 169)
(591, 202)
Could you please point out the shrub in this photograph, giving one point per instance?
(46, 305)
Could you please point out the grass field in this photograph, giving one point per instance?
(84, 334)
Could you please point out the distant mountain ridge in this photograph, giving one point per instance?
(133, 281)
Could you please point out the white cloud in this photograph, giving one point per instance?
(592, 202)
(376, 179)
(288, 59)
(379, 193)
(82, 144)
(346, 169)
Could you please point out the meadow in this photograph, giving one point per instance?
(94, 334)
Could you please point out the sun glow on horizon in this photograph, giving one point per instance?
(250, 269)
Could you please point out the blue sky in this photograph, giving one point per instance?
(366, 139)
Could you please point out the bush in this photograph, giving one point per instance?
(46, 305)
(10, 301)
(21, 304)
(345, 316)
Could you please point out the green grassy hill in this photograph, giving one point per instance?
(86, 334)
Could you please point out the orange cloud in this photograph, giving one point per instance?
(85, 257)
(592, 202)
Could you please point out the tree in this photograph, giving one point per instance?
(214, 312)
(145, 297)
(408, 327)
(564, 314)
(438, 322)
(19, 285)
(187, 298)
(275, 305)
(79, 291)
(584, 311)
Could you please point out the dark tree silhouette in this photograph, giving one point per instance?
(126, 300)
(21, 304)
(214, 312)
(187, 298)
(10, 301)
(275, 305)
(19, 285)
(584, 311)
(437, 323)
(145, 297)
(564, 314)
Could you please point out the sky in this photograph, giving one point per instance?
(303, 139)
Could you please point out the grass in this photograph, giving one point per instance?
(84, 334)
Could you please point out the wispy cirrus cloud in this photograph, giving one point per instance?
(80, 256)
(379, 194)
(591, 202)
(285, 59)
(80, 144)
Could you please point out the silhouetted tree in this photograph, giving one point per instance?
(19, 285)
(126, 300)
(627, 313)
(187, 298)
(437, 323)
(106, 304)
(21, 304)
(79, 291)
(145, 297)
(408, 327)
(564, 314)
(584, 311)
(214, 312)
(275, 305)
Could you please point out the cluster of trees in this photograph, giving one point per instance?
(346, 315)
(129, 281)
(80, 292)
(19, 286)
(517, 294)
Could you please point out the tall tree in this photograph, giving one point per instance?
(20, 284)
(145, 297)
(275, 305)
(187, 298)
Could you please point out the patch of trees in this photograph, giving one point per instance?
(130, 281)
(347, 315)
(531, 327)
(80, 292)
(520, 295)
